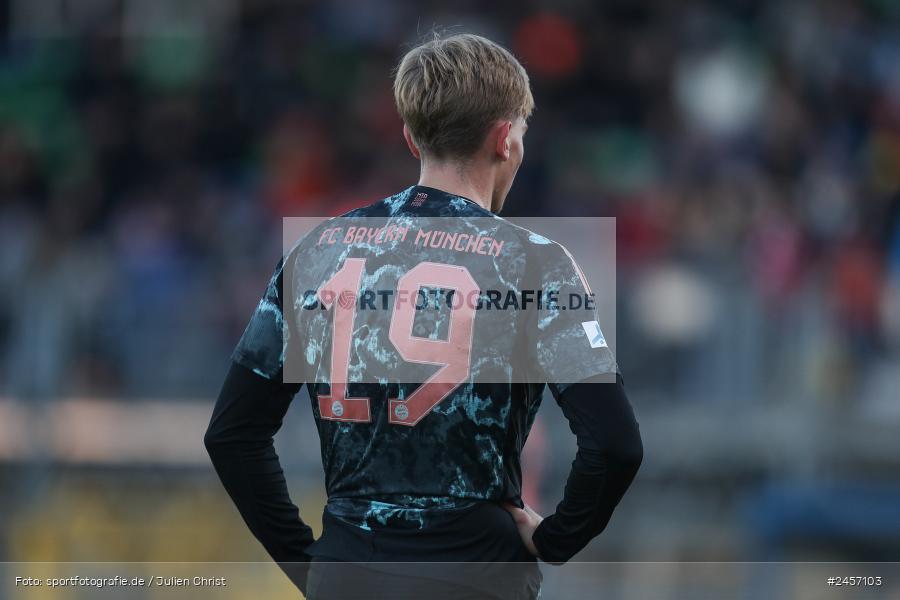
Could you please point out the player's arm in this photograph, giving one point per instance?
(248, 412)
(568, 346)
(608, 457)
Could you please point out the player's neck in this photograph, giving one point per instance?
(452, 179)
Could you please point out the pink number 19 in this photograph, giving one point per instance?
(453, 354)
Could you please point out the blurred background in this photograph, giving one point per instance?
(749, 150)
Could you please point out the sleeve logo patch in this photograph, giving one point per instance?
(594, 335)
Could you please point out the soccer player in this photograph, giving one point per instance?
(426, 329)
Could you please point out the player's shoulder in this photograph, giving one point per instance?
(383, 208)
(537, 246)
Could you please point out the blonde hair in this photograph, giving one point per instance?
(449, 91)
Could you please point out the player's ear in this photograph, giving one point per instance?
(503, 142)
(411, 144)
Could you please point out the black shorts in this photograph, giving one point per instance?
(476, 554)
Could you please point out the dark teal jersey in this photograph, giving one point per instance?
(426, 329)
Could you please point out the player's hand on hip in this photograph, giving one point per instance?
(527, 521)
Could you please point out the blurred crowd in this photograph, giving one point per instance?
(750, 151)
